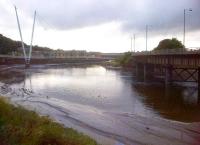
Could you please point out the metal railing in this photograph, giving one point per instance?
(16, 56)
(52, 57)
(169, 51)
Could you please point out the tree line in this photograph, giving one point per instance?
(7, 46)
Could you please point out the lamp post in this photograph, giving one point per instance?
(147, 29)
(134, 43)
(131, 44)
(184, 20)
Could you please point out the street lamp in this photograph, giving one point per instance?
(184, 18)
(131, 44)
(147, 28)
(134, 43)
(147, 31)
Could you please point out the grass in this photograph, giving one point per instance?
(19, 126)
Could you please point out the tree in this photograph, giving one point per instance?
(125, 58)
(169, 44)
(7, 46)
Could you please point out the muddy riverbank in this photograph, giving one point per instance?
(106, 104)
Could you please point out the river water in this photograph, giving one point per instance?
(108, 105)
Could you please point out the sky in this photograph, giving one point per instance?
(101, 25)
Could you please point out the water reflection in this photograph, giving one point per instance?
(12, 76)
(113, 91)
(172, 102)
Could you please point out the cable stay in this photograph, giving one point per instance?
(27, 57)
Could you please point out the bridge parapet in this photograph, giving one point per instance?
(178, 58)
(178, 51)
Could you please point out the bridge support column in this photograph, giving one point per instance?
(136, 70)
(168, 74)
(140, 71)
(148, 72)
(198, 85)
(145, 72)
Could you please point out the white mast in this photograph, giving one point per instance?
(24, 51)
(30, 51)
(27, 59)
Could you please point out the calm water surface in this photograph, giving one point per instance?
(114, 91)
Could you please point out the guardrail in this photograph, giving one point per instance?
(169, 52)
(13, 56)
(43, 57)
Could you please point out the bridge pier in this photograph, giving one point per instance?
(168, 74)
(198, 85)
(148, 72)
(172, 66)
(144, 72)
(140, 71)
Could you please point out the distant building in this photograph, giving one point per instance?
(65, 54)
(111, 55)
(52, 53)
(68, 53)
(94, 54)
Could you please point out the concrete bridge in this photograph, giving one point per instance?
(176, 65)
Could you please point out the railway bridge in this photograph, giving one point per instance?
(175, 65)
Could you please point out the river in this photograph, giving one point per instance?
(109, 105)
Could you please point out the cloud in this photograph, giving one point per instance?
(133, 15)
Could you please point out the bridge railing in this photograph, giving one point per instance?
(52, 57)
(170, 51)
(15, 56)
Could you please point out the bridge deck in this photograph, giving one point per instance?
(176, 60)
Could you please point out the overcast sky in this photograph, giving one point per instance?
(101, 25)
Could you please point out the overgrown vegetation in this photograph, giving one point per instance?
(169, 44)
(124, 59)
(22, 127)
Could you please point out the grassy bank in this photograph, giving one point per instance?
(22, 127)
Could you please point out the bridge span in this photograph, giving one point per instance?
(12, 60)
(170, 65)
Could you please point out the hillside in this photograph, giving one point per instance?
(7, 46)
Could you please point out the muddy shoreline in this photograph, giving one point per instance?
(136, 129)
